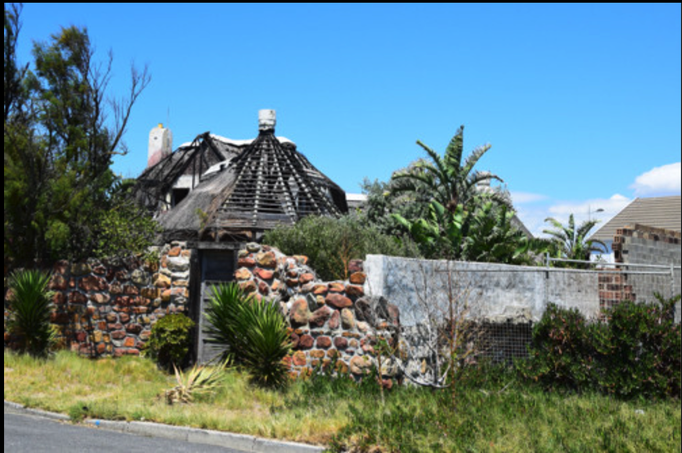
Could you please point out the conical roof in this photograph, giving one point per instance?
(277, 184)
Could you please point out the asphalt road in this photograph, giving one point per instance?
(26, 433)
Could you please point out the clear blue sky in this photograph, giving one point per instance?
(580, 102)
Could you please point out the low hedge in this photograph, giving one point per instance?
(634, 351)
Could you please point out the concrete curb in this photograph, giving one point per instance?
(239, 442)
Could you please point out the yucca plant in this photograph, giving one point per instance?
(30, 306)
(200, 380)
(267, 343)
(221, 318)
(253, 332)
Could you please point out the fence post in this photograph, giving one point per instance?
(672, 279)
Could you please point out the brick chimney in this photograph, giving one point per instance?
(160, 145)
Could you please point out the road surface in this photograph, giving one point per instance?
(30, 434)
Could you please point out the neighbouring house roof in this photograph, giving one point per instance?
(659, 212)
(245, 189)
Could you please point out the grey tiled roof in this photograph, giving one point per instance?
(660, 212)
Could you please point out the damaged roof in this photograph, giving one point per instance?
(253, 186)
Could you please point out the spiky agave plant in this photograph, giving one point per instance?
(200, 380)
(267, 343)
(30, 306)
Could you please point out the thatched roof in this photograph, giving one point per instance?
(194, 158)
(268, 183)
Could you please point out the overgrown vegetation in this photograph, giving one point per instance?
(635, 353)
(331, 244)
(495, 411)
(170, 340)
(450, 209)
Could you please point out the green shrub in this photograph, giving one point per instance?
(253, 332)
(170, 340)
(331, 243)
(562, 351)
(641, 351)
(30, 307)
(635, 352)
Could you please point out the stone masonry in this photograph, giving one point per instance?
(107, 307)
(332, 323)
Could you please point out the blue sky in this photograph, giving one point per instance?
(581, 103)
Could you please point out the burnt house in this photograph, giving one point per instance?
(219, 190)
(216, 194)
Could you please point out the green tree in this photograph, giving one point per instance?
(493, 238)
(571, 241)
(125, 227)
(382, 203)
(13, 90)
(446, 179)
(484, 234)
(61, 132)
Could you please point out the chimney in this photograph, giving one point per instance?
(160, 145)
(484, 186)
(266, 120)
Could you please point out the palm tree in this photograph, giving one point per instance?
(445, 179)
(493, 238)
(571, 242)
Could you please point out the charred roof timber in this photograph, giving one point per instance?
(243, 188)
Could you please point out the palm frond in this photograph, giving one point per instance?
(454, 150)
(474, 157)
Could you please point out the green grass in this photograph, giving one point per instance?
(493, 415)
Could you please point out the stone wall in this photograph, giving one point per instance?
(107, 307)
(331, 322)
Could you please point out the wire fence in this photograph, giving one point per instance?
(510, 299)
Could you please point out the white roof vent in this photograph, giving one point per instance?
(266, 120)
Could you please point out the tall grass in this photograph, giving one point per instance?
(490, 412)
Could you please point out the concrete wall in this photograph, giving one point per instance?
(495, 292)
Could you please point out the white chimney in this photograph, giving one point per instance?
(484, 185)
(160, 145)
(266, 120)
